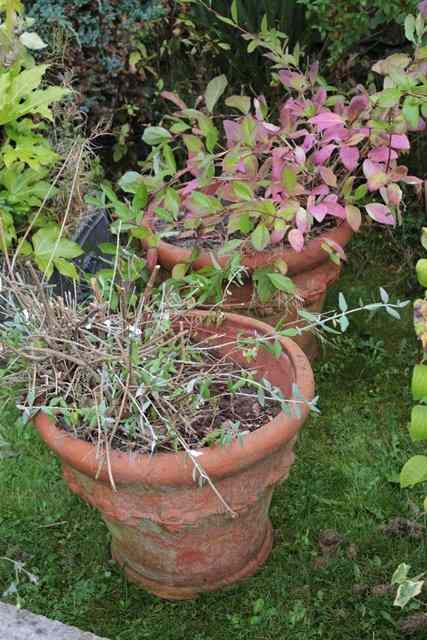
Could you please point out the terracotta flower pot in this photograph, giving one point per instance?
(311, 269)
(171, 535)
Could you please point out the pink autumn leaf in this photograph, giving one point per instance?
(382, 154)
(232, 132)
(412, 180)
(319, 98)
(260, 104)
(392, 194)
(277, 236)
(241, 167)
(309, 142)
(172, 97)
(301, 133)
(313, 72)
(189, 187)
(400, 142)
(301, 221)
(375, 175)
(380, 213)
(334, 208)
(300, 156)
(336, 247)
(349, 157)
(422, 8)
(318, 211)
(357, 105)
(287, 119)
(320, 190)
(291, 79)
(323, 154)
(271, 128)
(328, 176)
(421, 126)
(278, 154)
(326, 120)
(296, 240)
(336, 134)
(398, 172)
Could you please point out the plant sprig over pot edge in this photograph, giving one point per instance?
(141, 371)
(142, 378)
(250, 182)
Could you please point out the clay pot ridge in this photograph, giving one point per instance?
(311, 256)
(176, 469)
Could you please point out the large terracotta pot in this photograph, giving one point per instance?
(171, 535)
(311, 269)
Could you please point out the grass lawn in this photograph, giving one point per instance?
(347, 459)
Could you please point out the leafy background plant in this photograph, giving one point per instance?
(27, 157)
(345, 26)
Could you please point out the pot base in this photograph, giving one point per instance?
(170, 592)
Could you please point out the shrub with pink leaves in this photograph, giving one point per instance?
(264, 174)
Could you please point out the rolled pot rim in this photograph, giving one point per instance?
(311, 256)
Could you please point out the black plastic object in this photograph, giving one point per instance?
(94, 231)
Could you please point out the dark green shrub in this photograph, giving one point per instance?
(104, 26)
(284, 15)
(345, 24)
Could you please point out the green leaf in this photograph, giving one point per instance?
(418, 426)
(263, 285)
(206, 203)
(25, 249)
(156, 135)
(264, 24)
(179, 271)
(179, 127)
(49, 246)
(260, 237)
(421, 269)
(140, 198)
(169, 158)
(401, 574)
(411, 112)
(281, 282)
(243, 190)
(419, 382)
(234, 12)
(242, 103)
(342, 302)
(172, 201)
(410, 28)
(66, 268)
(108, 248)
(32, 41)
(193, 143)
(214, 91)
(360, 192)
(414, 471)
(388, 98)
(229, 247)
(407, 591)
(226, 20)
(289, 179)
